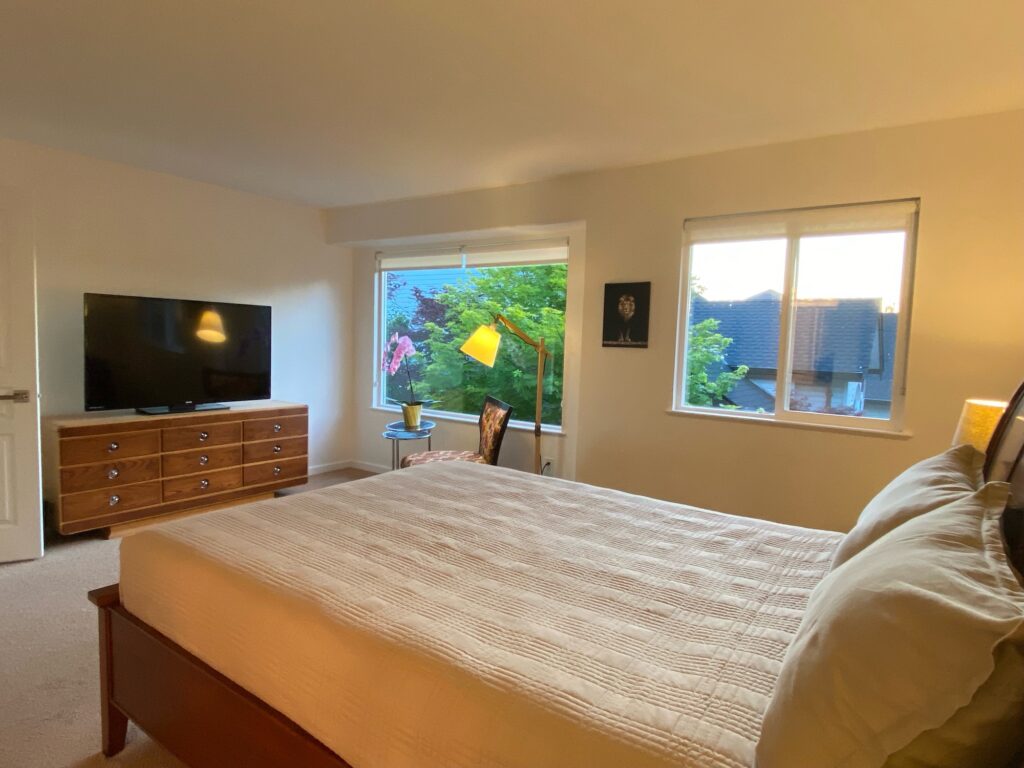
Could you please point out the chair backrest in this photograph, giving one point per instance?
(493, 422)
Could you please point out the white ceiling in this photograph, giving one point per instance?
(336, 102)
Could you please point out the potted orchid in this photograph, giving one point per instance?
(398, 351)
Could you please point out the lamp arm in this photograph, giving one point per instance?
(538, 345)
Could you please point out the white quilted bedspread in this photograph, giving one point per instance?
(462, 615)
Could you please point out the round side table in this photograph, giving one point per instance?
(396, 432)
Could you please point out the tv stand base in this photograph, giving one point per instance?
(163, 410)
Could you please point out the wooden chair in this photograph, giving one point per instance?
(493, 423)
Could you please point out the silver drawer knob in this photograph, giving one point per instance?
(113, 473)
(204, 436)
(277, 449)
(113, 446)
(277, 427)
(204, 459)
(115, 500)
(204, 483)
(277, 470)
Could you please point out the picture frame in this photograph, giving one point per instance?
(627, 315)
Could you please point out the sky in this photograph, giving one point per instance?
(829, 267)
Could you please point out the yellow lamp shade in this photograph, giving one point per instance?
(483, 345)
(977, 422)
(211, 327)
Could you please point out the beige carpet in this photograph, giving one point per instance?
(49, 676)
(49, 673)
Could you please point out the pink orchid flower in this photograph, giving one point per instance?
(403, 349)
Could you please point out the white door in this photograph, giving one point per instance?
(21, 518)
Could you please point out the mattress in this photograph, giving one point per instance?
(467, 615)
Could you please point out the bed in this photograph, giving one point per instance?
(455, 616)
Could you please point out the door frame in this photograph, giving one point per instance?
(21, 536)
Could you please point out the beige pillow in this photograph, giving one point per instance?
(927, 485)
(985, 732)
(899, 642)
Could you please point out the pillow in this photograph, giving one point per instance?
(987, 732)
(903, 640)
(927, 485)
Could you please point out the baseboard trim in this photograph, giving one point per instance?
(319, 469)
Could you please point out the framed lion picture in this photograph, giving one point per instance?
(627, 315)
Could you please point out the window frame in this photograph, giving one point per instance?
(451, 255)
(793, 224)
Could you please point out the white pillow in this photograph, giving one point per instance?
(898, 641)
(928, 485)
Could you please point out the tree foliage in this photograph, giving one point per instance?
(532, 297)
(708, 379)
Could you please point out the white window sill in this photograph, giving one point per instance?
(747, 418)
(466, 418)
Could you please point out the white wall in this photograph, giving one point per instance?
(103, 227)
(967, 335)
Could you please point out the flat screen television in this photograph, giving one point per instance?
(166, 355)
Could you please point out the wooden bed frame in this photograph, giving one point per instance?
(202, 717)
(208, 721)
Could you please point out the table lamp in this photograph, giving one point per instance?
(483, 346)
(977, 422)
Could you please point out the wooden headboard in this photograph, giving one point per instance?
(1006, 448)
(1004, 460)
(1013, 535)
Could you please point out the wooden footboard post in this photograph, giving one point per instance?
(113, 722)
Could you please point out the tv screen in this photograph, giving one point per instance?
(144, 352)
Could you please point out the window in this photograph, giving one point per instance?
(438, 299)
(798, 315)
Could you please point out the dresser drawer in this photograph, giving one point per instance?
(80, 506)
(268, 429)
(92, 450)
(195, 486)
(272, 471)
(88, 477)
(270, 450)
(184, 438)
(202, 460)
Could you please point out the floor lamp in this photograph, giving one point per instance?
(483, 345)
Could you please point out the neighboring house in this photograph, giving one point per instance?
(842, 352)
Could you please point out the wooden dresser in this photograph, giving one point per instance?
(107, 470)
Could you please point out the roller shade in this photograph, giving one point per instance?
(496, 255)
(836, 219)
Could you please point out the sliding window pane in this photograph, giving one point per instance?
(733, 325)
(846, 312)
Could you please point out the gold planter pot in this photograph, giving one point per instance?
(412, 413)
